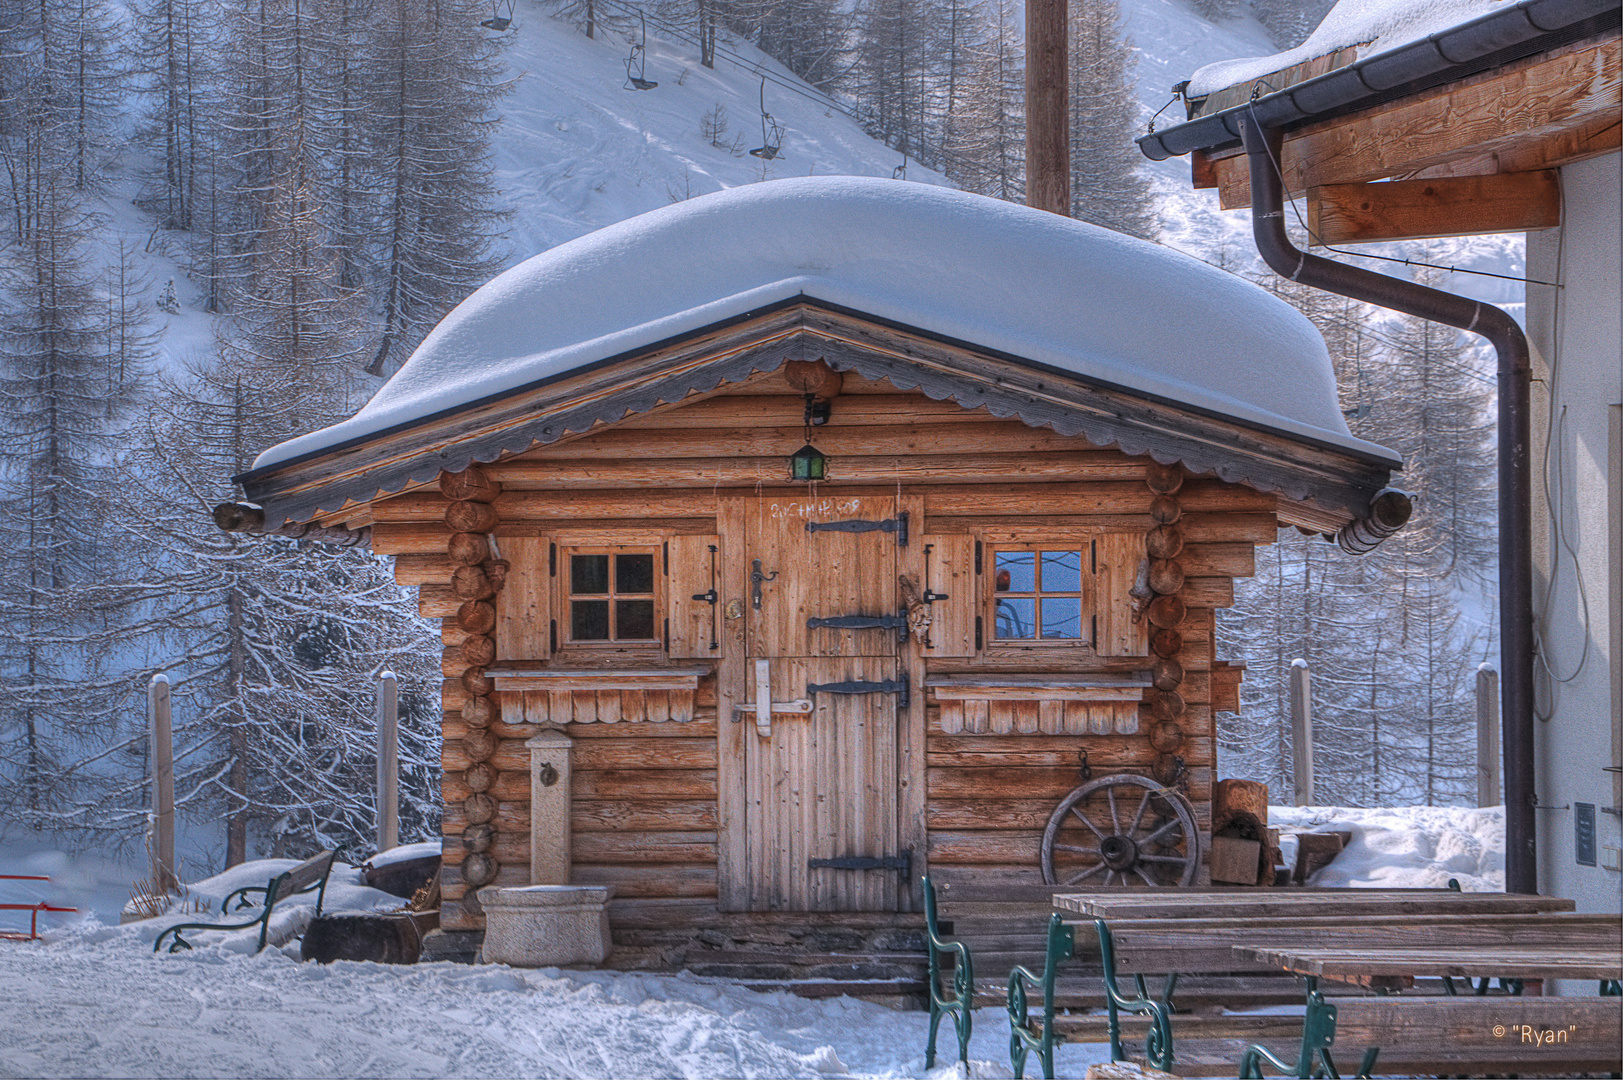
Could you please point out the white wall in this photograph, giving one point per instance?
(1578, 425)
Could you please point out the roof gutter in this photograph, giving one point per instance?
(1263, 145)
(1523, 29)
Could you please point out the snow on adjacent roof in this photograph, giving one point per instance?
(1381, 25)
(1032, 284)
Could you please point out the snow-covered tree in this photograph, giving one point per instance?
(1107, 185)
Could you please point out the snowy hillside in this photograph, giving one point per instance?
(575, 150)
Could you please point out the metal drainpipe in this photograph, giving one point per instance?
(1264, 147)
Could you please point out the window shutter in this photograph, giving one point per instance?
(1119, 556)
(949, 567)
(695, 565)
(524, 606)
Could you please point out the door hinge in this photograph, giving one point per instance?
(902, 864)
(977, 556)
(552, 560)
(900, 687)
(978, 643)
(897, 623)
(897, 525)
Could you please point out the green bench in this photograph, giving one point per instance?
(309, 876)
(962, 999)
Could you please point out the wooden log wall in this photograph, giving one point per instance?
(645, 796)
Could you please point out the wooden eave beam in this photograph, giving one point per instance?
(1533, 114)
(1446, 206)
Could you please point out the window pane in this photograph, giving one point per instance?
(1062, 572)
(1016, 572)
(633, 619)
(1016, 617)
(634, 573)
(589, 620)
(589, 574)
(1062, 617)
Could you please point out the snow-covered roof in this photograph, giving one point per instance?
(1026, 283)
(1374, 26)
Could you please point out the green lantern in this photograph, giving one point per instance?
(807, 463)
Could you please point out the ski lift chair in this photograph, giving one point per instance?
(771, 132)
(638, 80)
(497, 20)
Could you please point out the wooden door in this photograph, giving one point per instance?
(822, 784)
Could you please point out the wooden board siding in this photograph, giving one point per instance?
(665, 811)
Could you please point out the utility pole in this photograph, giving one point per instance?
(1048, 101)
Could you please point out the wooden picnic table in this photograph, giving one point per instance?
(1243, 903)
(1372, 966)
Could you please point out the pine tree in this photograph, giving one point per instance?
(272, 645)
(174, 42)
(431, 90)
(985, 142)
(1385, 634)
(67, 372)
(1107, 186)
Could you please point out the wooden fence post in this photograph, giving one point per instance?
(388, 761)
(1301, 683)
(1487, 736)
(163, 784)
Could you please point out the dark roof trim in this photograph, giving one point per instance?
(1301, 468)
(1525, 29)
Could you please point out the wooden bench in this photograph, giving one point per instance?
(1436, 1036)
(1202, 944)
(309, 875)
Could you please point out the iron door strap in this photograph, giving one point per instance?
(897, 525)
(902, 864)
(900, 687)
(897, 623)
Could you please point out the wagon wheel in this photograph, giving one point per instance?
(1124, 830)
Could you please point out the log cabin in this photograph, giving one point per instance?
(800, 540)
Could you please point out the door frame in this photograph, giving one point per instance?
(733, 670)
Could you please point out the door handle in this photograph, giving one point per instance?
(756, 577)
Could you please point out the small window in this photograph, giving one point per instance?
(1043, 594)
(611, 596)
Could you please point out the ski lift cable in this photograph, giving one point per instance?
(756, 68)
(817, 97)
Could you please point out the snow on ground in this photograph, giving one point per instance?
(1406, 847)
(575, 151)
(94, 1000)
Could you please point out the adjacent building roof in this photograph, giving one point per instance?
(1366, 52)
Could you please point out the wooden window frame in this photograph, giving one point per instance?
(641, 648)
(993, 646)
